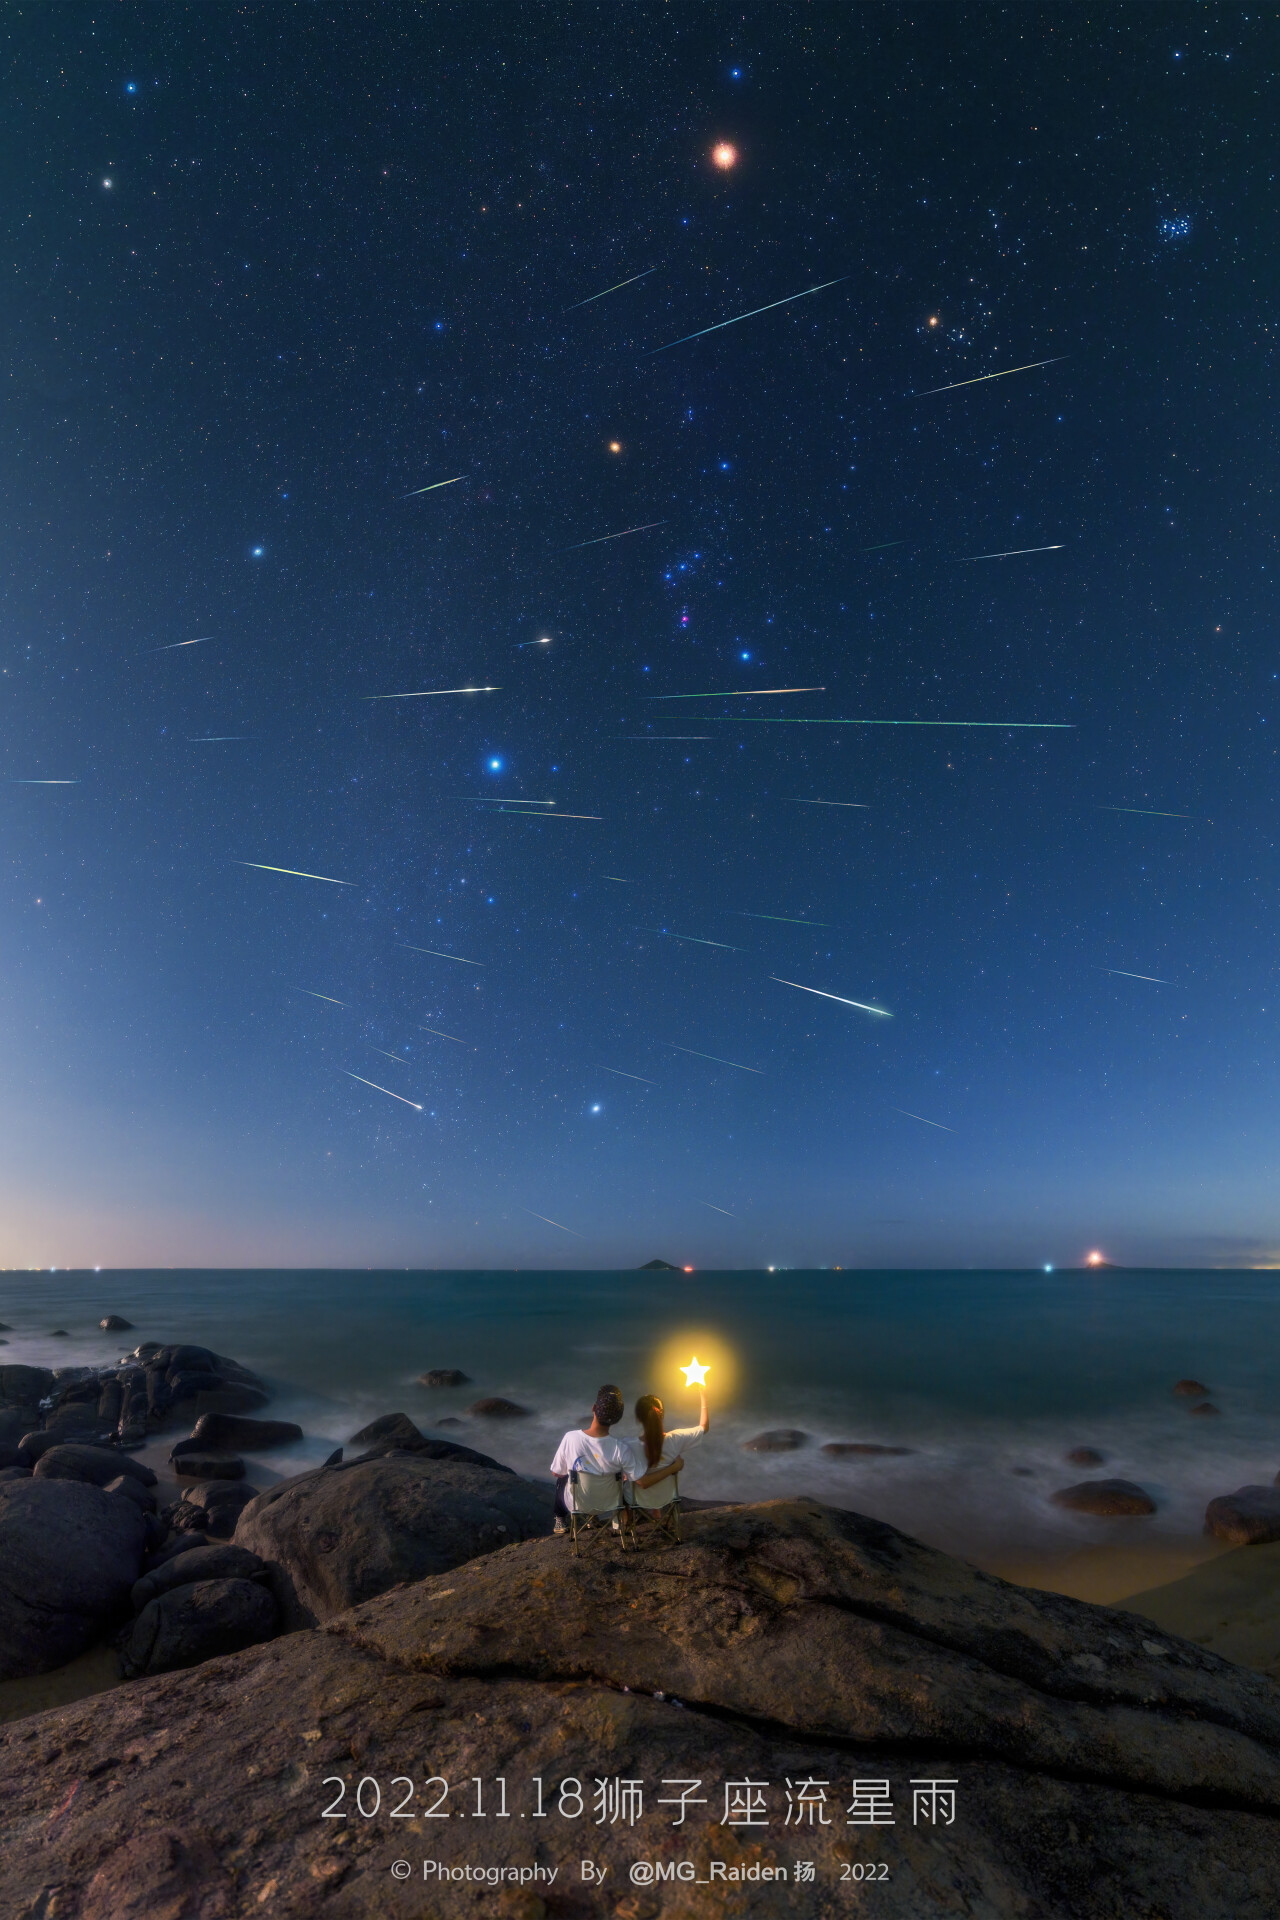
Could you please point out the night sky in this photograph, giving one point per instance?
(272, 269)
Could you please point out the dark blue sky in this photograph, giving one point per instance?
(269, 270)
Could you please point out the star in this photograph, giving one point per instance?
(695, 1374)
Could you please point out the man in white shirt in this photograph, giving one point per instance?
(591, 1449)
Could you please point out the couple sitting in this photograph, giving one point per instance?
(643, 1470)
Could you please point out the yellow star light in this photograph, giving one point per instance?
(695, 1375)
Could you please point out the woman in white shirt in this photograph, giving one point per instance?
(659, 1454)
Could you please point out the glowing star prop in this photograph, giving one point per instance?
(695, 1374)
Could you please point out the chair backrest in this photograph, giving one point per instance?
(660, 1495)
(594, 1492)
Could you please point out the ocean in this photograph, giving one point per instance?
(987, 1378)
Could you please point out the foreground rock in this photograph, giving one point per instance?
(343, 1534)
(1249, 1517)
(1109, 1498)
(198, 1621)
(69, 1554)
(1102, 1768)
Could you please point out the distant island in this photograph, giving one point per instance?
(657, 1266)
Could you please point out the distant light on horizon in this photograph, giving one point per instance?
(1095, 1259)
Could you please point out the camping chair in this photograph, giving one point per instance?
(593, 1499)
(660, 1505)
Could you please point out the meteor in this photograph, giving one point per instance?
(689, 937)
(172, 645)
(430, 693)
(613, 289)
(804, 295)
(658, 739)
(530, 814)
(880, 546)
(1009, 553)
(861, 805)
(397, 1057)
(1138, 976)
(629, 1076)
(294, 873)
(444, 1036)
(434, 484)
(319, 996)
(377, 1089)
(1035, 726)
(786, 918)
(1150, 812)
(920, 1117)
(436, 954)
(979, 378)
(552, 1223)
(736, 693)
(860, 1004)
(715, 1209)
(211, 739)
(602, 537)
(44, 783)
(716, 1057)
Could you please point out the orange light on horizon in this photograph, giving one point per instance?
(725, 155)
(1095, 1259)
(688, 1269)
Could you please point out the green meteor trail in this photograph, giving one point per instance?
(1156, 982)
(860, 805)
(377, 1089)
(1150, 812)
(716, 1057)
(804, 295)
(629, 1076)
(715, 1209)
(690, 938)
(613, 289)
(861, 1005)
(786, 918)
(602, 537)
(1038, 726)
(318, 996)
(430, 693)
(920, 1117)
(979, 378)
(736, 693)
(434, 484)
(294, 873)
(444, 1036)
(1010, 553)
(552, 1223)
(436, 953)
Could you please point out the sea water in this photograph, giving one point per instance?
(987, 1378)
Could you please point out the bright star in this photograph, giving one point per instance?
(106, 183)
(495, 766)
(595, 1109)
(695, 1374)
(725, 156)
(258, 552)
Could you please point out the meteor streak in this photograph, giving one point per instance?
(657, 739)
(1037, 726)
(294, 873)
(1138, 976)
(602, 537)
(629, 1076)
(786, 918)
(804, 295)
(530, 814)
(444, 1036)
(980, 377)
(716, 1057)
(715, 1209)
(44, 783)
(920, 1117)
(1010, 553)
(434, 484)
(319, 996)
(1151, 812)
(552, 1223)
(860, 1004)
(692, 937)
(377, 1089)
(397, 1057)
(861, 805)
(211, 739)
(436, 953)
(173, 644)
(736, 693)
(430, 693)
(613, 289)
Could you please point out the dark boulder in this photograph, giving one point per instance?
(1249, 1517)
(96, 1465)
(69, 1554)
(115, 1323)
(131, 1489)
(25, 1386)
(444, 1377)
(450, 1420)
(232, 1433)
(231, 1396)
(172, 1547)
(33, 1444)
(334, 1459)
(180, 1357)
(657, 1266)
(777, 1440)
(58, 1333)
(1207, 1411)
(344, 1534)
(496, 1408)
(1085, 1457)
(424, 1448)
(1106, 1497)
(838, 1448)
(220, 1562)
(194, 1623)
(4, 1327)
(388, 1426)
(15, 1422)
(208, 1466)
(1194, 1389)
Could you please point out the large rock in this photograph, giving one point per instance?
(494, 1407)
(94, 1465)
(343, 1534)
(69, 1554)
(1108, 1497)
(777, 1440)
(208, 1466)
(1249, 1517)
(25, 1386)
(1101, 1768)
(115, 1323)
(444, 1377)
(234, 1433)
(388, 1426)
(198, 1622)
(225, 1561)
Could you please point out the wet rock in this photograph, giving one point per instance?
(1106, 1497)
(343, 1534)
(444, 1377)
(209, 1466)
(4, 1328)
(388, 1426)
(25, 1386)
(1085, 1457)
(222, 1561)
(59, 1333)
(777, 1440)
(425, 1448)
(229, 1397)
(171, 1548)
(1194, 1389)
(131, 1489)
(14, 1423)
(234, 1433)
(1207, 1411)
(187, 1517)
(1249, 1517)
(198, 1622)
(334, 1459)
(69, 1553)
(15, 1472)
(838, 1448)
(450, 1420)
(114, 1323)
(496, 1408)
(96, 1465)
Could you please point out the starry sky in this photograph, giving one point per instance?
(271, 271)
